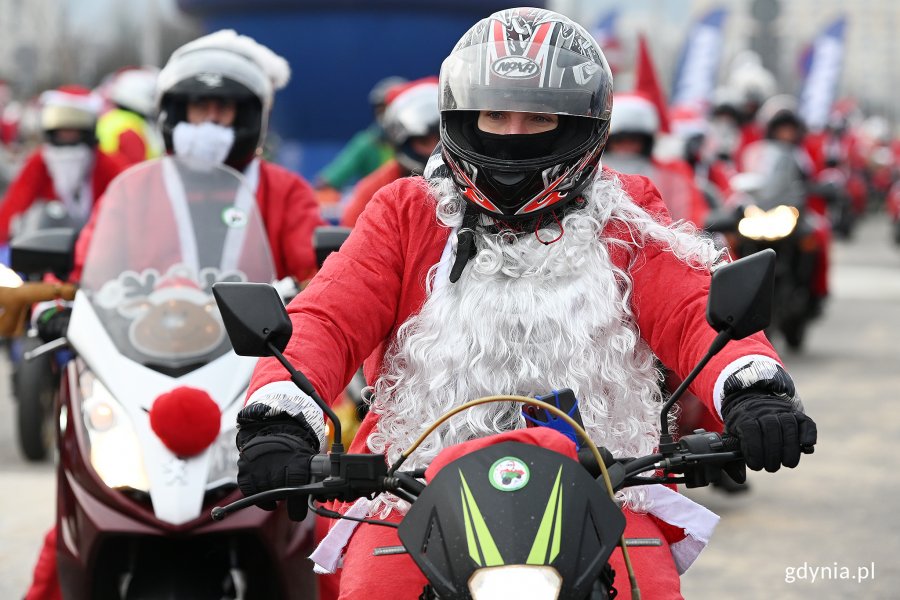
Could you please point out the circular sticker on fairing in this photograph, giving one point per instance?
(234, 217)
(509, 474)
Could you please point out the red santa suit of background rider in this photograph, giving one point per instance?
(68, 166)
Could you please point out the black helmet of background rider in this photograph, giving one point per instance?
(227, 66)
(524, 60)
(780, 119)
(412, 122)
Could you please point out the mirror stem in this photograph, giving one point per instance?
(667, 445)
(306, 387)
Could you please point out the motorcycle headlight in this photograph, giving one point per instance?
(771, 225)
(516, 581)
(115, 451)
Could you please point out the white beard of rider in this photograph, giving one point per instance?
(69, 168)
(526, 318)
(206, 142)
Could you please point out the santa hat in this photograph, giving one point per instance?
(274, 66)
(73, 96)
(70, 107)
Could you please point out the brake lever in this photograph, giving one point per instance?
(220, 512)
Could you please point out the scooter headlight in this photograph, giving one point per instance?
(774, 224)
(115, 451)
(516, 581)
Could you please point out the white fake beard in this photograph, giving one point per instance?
(68, 167)
(527, 318)
(206, 142)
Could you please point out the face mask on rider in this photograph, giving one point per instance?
(68, 166)
(206, 141)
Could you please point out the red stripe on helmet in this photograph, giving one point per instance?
(537, 40)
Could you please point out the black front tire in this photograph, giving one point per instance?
(794, 331)
(35, 388)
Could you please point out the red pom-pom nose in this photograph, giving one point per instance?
(186, 419)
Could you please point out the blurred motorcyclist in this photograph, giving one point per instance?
(365, 152)
(790, 180)
(68, 166)
(214, 96)
(630, 149)
(411, 125)
(127, 129)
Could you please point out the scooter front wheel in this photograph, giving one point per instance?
(35, 389)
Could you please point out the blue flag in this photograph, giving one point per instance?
(698, 68)
(824, 73)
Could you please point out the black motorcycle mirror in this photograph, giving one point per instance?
(740, 302)
(44, 250)
(328, 239)
(258, 325)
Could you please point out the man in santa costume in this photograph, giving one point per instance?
(517, 266)
(68, 166)
(214, 97)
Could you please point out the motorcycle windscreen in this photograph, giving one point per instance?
(778, 175)
(512, 504)
(166, 231)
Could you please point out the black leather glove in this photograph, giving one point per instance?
(53, 323)
(275, 451)
(771, 427)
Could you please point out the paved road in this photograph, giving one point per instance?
(838, 508)
(835, 511)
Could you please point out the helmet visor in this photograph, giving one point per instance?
(544, 78)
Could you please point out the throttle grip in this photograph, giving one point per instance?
(731, 443)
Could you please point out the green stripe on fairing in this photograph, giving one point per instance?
(542, 541)
(477, 534)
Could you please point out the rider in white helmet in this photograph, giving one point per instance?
(128, 128)
(411, 124)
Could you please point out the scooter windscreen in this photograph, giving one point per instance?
(166, 231)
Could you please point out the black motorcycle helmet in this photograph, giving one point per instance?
(524, 60)
(225, 66)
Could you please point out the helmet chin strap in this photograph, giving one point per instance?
(465, 242)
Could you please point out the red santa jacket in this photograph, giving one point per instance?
(289, 212)
(34, 183)
(354, 306)
(366, 189)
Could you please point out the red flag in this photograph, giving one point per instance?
(647, 84)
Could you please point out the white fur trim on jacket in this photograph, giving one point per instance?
(731, 369)
(284, 396)
(697, 521)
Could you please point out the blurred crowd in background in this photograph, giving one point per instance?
(707, 67)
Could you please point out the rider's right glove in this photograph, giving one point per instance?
(761, 408)
(275, 451)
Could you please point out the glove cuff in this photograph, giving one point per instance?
(760, 377)
(284, 398)
(258, 419)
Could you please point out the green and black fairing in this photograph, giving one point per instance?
(552, 512)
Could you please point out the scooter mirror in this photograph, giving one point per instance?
(741, 295)
(254, 317)
(328, 239)
(45, 250)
